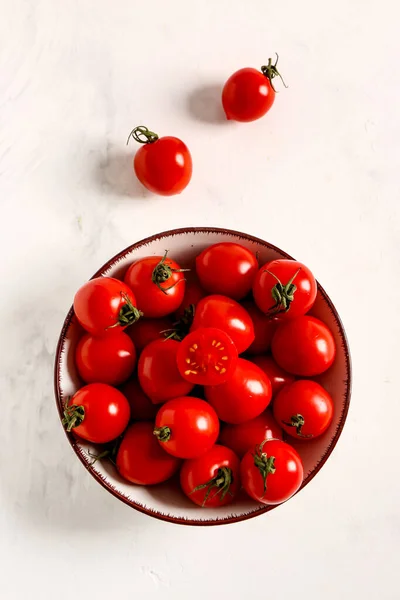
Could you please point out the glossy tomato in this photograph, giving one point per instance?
(193, 294)
(227, 269)
(142, 408)
(97, 413)
(304, 409)
(304, 346)
(163, 165)
(108, 359)
(105, 305)
(250, 434)
(158, 372)
(140, 459)
(277, 376)
(226, 314)
(147, 330)
(284, 288)
(272, 473)
(244, 396)
(186, 427)
(158, 283)
(264, 328)
(212, 479)
(207, 356)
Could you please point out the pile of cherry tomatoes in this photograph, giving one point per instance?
(181, 369)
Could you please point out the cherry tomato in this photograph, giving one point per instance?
(304, 409)
(147, 330)
(193, 294)
(140, 459)
(158, 373)
(264, 328)
(142, 408)
(226, 314)
(272, 473)
(304, 346)
(244, 396)
(207, 356)
(250, 434)
(163, 165)
(186, 427)
(249, 94)
(277, 376)
(158, 283)
(285, 288)
(109, 359)
(105, 305)
(227, 269)
(212, 479)
(97, 413)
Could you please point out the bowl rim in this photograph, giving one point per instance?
(101, 479)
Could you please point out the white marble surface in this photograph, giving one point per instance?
(318, 176)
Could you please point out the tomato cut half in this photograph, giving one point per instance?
(207, 356)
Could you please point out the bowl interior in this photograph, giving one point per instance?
(166, 501)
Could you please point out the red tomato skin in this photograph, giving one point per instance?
(277, 376)
(304, 346)
(264, 328)
(193, 294)
(227, 269)
(226, 314)
(140, 459)
(146, 331)
(212, 356)
(247, 95)
(164, 167)
(243, 397)
(198, 471)
(246, 436)
(158, 373)
(108, 359)
(284, 270)
(107, 413)
(282, 484)
(98, 302)
(311, 401)
(153, 301)
(142, 408)
(193, 423)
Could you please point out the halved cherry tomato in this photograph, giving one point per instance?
(97, 413)
(244, 396)
(304, 409)
(284, 288)
(140, 459)
(207, 356)
(147, 330)
(142, 408)
(158, 372)
(277, 376)
(226, 314)
(212, 479)
(272, 473)
(304, 346)
(250, 434)
(158, 283)
(264, 328)
(227, 269)
(108, 359)
(186, 427)
(105, 305)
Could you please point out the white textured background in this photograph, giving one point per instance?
(318, 176)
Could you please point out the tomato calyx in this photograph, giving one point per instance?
(181, 327)
(283, 294)
(264, 463)
(297, 421)
(110, 452)
(73, 415)
(162, 272)
(128, 314)
(221, 482)
(142, 135)
(270, 71)
(163, 434)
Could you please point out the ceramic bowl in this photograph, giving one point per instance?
(166, 501)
